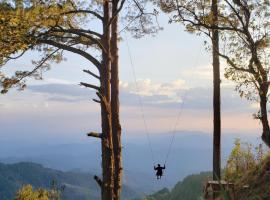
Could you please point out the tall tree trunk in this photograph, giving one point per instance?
(19, 4)
(116, 127)
(107, 186)
(216, 95)
(264, 118)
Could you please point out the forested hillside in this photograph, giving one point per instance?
(190, 188)
(77, 186)
(80, 186)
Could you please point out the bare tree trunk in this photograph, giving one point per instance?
(264, 118)
(216, 96)
(107, 185)
(116, 127)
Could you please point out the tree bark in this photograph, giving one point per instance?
(264, 118)
(116, 127)
(107, 192)
(216, 95)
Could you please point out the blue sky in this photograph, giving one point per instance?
(172, 68)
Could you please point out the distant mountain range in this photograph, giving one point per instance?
(77, 186)
(191, 153)
(81, 186)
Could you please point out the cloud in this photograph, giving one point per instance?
(66, 99)
(60, 89)
(161, 92)
(202, 75)
(57, 81)
(172, 95)
(67, 106)
(163, 95)
(198, 72)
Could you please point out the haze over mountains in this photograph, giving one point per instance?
(191, 153)
(47, 124)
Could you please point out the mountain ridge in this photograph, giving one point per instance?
(78, 186)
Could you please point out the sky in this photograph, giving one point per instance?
(173, 73)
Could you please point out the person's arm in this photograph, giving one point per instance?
(164, 166)
(155, 167)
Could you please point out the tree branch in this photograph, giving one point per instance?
(117, 11)
(72, 49)
(19, 78)
(98, 180)
(232, 64)
(90, 86)
(97, 101)
(94, 134)
(84, 11)
(91, 73)
(198, 22)
(80, 33)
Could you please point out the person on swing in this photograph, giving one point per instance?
(159, 170)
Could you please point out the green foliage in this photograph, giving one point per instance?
(190, 188)
(21, 30)
(53, 26)
(160, 195)
(27, 193)
(246, 48)
(254, 185)
(245, 42)
(243, 158)
(77, 186)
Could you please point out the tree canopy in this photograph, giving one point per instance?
(54, 26)
(244, 32)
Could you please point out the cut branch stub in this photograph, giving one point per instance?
(94, 134)
(98, 180)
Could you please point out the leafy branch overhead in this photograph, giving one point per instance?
(244, 27)
(244, 33)
(51, 27)
(90, 31)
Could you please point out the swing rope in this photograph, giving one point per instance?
(140, 101)
(143, 110)
(179, 115)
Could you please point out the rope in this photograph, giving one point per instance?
(181, 110)
(140, 101)
(142, 106)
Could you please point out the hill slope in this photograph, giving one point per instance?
(78, 186)
(188, 189)
(258, 182)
